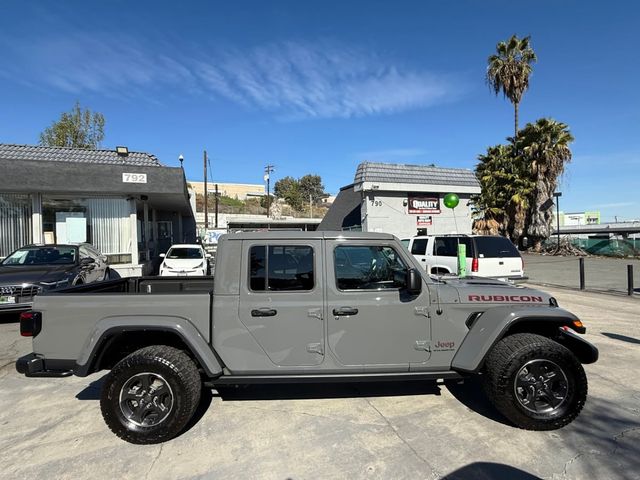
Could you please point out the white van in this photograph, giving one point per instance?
(487, 255)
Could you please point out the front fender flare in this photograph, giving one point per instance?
(180, 326)
(492, 326)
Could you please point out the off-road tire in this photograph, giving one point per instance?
(512, 353)
(180, 373)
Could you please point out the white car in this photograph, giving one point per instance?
(487, 255)
(184, 261)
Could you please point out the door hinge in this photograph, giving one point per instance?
(422, 345)
(315, 348)
(423, 311)
(315, 313)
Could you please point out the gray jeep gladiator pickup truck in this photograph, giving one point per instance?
(307, 307)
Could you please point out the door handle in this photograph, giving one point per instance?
(264, 312)
(345, 311)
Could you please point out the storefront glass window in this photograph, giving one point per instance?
(15, 222)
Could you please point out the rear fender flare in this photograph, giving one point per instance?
(180, 326)
(492, 326)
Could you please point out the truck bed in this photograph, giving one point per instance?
(149, 285)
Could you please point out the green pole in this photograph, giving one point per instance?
(462, 260)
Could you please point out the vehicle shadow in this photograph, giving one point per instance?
(468, 393)
(489, 471)
(471, 395)
(92, 391)
(622, 338)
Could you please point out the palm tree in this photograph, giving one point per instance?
(545, 148)
(504, 201)
(509, 69)
(489, 206)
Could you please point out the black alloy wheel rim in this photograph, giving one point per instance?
(146, 399)
(541, 386)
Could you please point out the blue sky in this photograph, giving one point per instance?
(319, 86)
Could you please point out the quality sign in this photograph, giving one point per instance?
(423, 204)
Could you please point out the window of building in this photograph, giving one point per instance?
(101, 222)
(15, 222)
(281, 268)
(368, 267)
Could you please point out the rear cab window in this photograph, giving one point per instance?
(495, 247)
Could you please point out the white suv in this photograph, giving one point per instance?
(487, 255)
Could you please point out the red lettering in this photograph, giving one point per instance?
(474, 298)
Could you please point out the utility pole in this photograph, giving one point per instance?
(267, 176)
(216, 205)
(310, 207)
(206, 194)
(557, 195)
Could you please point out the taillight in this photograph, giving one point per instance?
(30, 324)
(474, 264)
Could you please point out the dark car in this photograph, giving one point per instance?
(35, 268)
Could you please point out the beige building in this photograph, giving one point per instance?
(240, 191)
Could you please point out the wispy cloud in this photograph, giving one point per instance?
(604, 206)
(292, 80)
(392, 154)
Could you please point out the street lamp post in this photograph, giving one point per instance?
(267, 177)
(557, 196)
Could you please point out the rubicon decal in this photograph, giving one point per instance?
(505, 298)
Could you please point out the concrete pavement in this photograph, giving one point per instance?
(53, 427)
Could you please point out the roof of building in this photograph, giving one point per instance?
(75, 155)
(418, 174)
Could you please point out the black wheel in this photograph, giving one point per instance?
(535, 382)
(150, 395)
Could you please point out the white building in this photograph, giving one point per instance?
(404, 200)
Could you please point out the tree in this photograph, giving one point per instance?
(545, 148)
(297, 192)
(509, 69)
(77, 128)
(311, 187)
(289, 189)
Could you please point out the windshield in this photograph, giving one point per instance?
(59, 255)
(184, 253)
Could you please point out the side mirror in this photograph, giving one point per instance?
(162, 255)
(87, 261)
(414, 281)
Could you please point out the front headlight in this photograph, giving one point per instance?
(52, 285)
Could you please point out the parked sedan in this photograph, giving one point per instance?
(184, 260)
(34, 268)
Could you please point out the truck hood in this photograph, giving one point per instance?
(479, 290)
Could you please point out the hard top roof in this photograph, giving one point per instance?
(317, 235)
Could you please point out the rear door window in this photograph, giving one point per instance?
(495, 247)
(419, 246)
(448, 246)
(281, 268)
